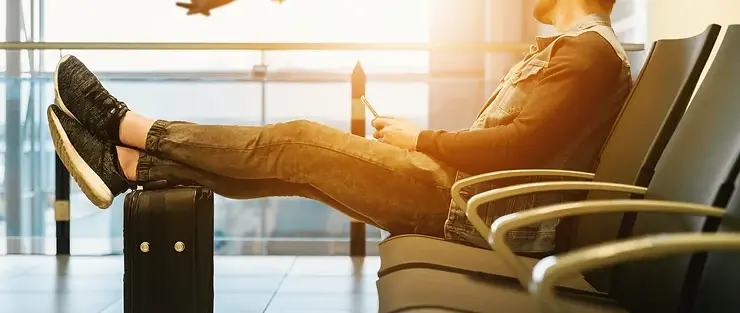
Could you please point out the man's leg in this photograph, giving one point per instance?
(382, 185)
(152, 168)
(393, 187)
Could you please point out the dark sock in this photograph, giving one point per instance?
(119, 169)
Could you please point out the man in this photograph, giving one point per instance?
(553, 110)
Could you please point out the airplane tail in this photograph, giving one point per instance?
(184, 5)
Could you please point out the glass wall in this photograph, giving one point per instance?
(216, 87)
(33, 220)
(27, 164)
(630, 24)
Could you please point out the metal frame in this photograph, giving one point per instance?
(480, 199)
(549, 271)
(457, 188)
(504, 224)
(13, 25)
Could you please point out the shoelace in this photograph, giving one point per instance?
(108, 100)
(115, 108)
(98, 94)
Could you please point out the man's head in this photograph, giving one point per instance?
(546, 11)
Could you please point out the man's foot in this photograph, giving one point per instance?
(80, 95)
(92, 162)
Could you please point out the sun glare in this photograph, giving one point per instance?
(257, 21)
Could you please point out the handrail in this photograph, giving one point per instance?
(449, 47)
(274, 76)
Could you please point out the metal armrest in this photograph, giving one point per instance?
(471, 210)
(551, 269)
(509, 222)
(458, 186)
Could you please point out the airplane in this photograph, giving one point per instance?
(205, 6)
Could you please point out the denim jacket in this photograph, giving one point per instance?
(507, 100)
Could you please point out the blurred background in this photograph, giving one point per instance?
(435, 89)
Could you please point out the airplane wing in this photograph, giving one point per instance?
(202, 6)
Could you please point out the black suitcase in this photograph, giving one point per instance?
(168, 251)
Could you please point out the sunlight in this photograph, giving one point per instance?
(363, 21)
(243, 20)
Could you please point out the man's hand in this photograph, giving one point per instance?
(396, 132)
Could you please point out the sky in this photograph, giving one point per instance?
(243, 21)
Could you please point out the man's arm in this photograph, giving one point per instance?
(571, 91)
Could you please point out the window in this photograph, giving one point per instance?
(630, 20)
(242, 21)
(31, 220)
(630, 23)
(408, 100)
(180, 85)
(3, 226)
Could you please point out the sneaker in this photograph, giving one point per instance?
(79, 93)
(92, 162)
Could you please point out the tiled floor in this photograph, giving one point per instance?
(248, 284)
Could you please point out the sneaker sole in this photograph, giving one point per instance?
(57, 99)
(91, 184)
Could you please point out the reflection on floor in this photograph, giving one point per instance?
(243, 284)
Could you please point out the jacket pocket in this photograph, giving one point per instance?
(529, 72)
(520, 87)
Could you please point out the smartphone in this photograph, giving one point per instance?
(369, 107)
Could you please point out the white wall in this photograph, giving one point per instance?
(677, 18)
(683, 18)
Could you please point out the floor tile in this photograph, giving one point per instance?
(82, 302)
(81, 266)
(335, 266)
(243, 284)
(241, 302)
(116, 307)
(328, 285)
(354, 303)
(62, 284)
(13, 265)
(224, 303)
(252, 265)
(247, 283)
(269, 310)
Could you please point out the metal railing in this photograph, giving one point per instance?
(436, 47)
(271, 75)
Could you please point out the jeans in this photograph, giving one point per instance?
(399, 191)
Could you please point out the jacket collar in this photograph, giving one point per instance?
(580, 24)
(589, 21)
